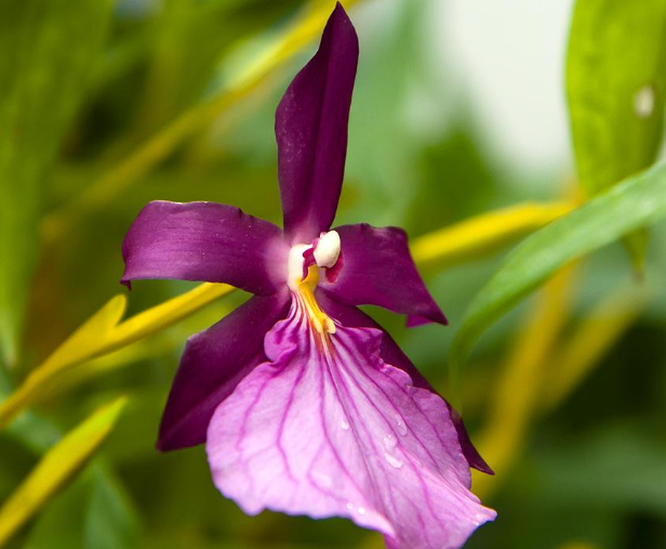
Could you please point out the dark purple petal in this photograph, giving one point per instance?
(326, 428)
(311, 132)
(391, 353)
(206, 242)
(469, 451)
(379, 270)
(213, 363)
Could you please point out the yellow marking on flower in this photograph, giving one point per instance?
(102, 334)
(319, 320)
(57, 467)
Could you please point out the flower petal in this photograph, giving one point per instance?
(468, 449)
(207, 242)
(379, 270)
(311, 132)
(326, 428)
(391, 353)
(213, 363)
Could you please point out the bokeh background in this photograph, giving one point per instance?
(459, 109)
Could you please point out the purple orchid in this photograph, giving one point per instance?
(305, 404)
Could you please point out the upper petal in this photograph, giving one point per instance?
(207, 242)
(379, 270)
(329, 429)
(391, 353)
(311, 132)
(213, 363)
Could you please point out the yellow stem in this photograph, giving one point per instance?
(57, 466)
(484, 233)
(157, 148)
(516, 396)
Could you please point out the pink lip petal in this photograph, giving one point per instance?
(334, 431)
(392, 354)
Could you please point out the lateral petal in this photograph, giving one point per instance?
(207, 242)
(326, 428)
(379, 270)
(213, 363)
(311, 132)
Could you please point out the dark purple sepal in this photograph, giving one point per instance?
(469, 451)
(213, 363)
(311, 132)
(379, 270)
(391, 353)
(205, 242)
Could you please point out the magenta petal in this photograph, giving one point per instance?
(205, 241)
(311, 132)
(392, 354)
(390, 351)
(329, 429)
(379, 270)
(213, 363)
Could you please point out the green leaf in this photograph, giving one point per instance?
(47, 50)
(93, 513)
(616, 86)
(626, 452)
(634, 203)
(111, 521)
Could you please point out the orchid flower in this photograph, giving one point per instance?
(305, 404)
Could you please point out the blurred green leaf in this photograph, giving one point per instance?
(57, 466)
(616, 86)
(48, 49)
(191, 39)
(94, 513)
(627, 453)
(638, 201)
(457, 181)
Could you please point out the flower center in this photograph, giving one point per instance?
(304, 263)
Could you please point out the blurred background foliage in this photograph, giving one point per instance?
(107, 105)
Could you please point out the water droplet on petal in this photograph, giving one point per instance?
(644, 102)
(350, 506)
(390, 442)
(400, 425)
(344, 425)
(361, 511)
(393, 461)
(323, 479)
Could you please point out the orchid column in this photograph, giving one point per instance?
(305, 404)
